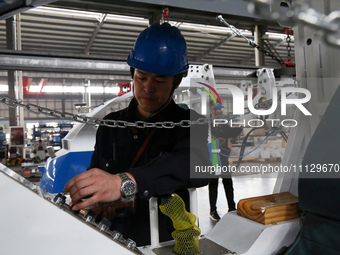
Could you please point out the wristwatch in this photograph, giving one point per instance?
(129, 187)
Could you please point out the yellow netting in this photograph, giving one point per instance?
(186, 232)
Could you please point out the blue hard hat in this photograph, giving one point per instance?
(218, 106)
(160, 49)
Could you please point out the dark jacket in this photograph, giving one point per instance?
(163, 168)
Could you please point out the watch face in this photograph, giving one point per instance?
(128, 188)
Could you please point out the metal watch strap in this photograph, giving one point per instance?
(124, 176)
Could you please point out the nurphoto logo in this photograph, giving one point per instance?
(239, 105)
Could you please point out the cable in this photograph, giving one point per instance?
(241, 155)
(243, 146)
(284, 135)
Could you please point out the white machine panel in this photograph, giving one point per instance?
(247, 237)
(31, 224)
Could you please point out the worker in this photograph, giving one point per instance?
(140, 163)
(2, 144)
(2, 138)
(222, 133)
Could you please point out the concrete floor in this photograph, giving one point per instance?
(245, 186)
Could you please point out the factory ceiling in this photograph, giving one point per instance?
(106, 30)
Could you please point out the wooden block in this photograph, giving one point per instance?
(244, 159)
(271, 159)
(233, 160)
(269, 209)
(263, 159)
(275, 159)
(248, 158)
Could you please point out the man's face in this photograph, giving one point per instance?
(152, 90)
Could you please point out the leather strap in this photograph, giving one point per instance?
(142, 148)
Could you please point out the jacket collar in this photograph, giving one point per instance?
(167, 114)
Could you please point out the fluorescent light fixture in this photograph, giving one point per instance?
(127, 19)
(68, 89)
(59, 11)
(210, 28)
(278, 36)
(94, 15)
(3, 88)
(112, 90)
(52, 124)
(30, 125)
(74, 89)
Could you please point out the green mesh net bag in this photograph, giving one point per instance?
(186, 232)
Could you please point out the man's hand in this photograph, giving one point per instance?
(100, 185)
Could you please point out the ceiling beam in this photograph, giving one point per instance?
(215, 46)
(10, 8)
(81, 66)
(227, 7)
(24, 61)
(193, 11)
(71, 76)
(95, 33)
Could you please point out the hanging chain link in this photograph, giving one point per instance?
(288, 40)
(289, 62)
(13, 103)
(249, 41)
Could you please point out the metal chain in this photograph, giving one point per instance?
(249, 41)
(13, 103)
(288, 40)
(289, 62)
(302, 13)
